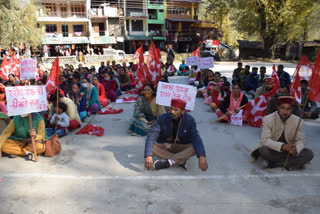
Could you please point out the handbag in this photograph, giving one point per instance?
(52, 146)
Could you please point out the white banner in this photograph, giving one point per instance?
(26, 99)
(236, 119)
(193, 60)
(28, 69)
(205, 63)
(168, 91)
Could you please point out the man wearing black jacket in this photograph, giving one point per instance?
(174, 138)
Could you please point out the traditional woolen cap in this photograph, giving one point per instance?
(178, 103)
(286, 100)
(268, 80)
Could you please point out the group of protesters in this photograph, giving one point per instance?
(85, 91)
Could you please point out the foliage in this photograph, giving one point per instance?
(270, 20)
(19, 23)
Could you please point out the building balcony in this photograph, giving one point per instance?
(136, 13)
(104, 12)
(53, 16)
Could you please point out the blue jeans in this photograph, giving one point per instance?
(59, 132)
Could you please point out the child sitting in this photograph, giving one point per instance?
(59, 120)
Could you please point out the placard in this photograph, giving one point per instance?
(236, 119)
(305, 72)
(28, 69)
(26, 99)
(205, 63)
(193, 60)
(168, 91)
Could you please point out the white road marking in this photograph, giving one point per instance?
(160, 177)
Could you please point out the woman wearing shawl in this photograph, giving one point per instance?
(145, 112)
(101, 91)
(79, 100)
(91, 93)
(232, 103)
(110, 86)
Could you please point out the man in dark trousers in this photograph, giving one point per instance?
(174, 138)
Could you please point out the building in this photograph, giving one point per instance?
(180, 16)
(157, 21)
(65, 26)
(136, 28)
(106, 25)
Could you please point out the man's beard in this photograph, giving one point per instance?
(286, 117)
(174, 117)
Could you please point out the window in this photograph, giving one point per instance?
(51, 28)
(156, 1)
(188, 11)
(63, 10)
(137, 25)
(169, 11)
(181, 11)
(50, 9)
(77, 10)
(65, 30)
(78, 28)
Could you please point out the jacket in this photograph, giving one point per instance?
(161, 132)
(272, 129)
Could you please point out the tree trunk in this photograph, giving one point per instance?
(268, 44)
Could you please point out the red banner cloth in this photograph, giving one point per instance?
(314, 83)
(110, 111)
(256, 109)
(91, 130)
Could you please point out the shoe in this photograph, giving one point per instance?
(184, 165)
(30, 156)
(270, 164)
(161, 164)
(12, 156)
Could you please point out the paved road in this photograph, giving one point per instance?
(106, 174)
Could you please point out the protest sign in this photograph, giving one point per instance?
(305, 72)
(28, 69)
(168, 91)
(236, 119)
(205, 63)
(26, 99)
(192, 60)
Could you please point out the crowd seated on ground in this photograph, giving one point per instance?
(83, 91)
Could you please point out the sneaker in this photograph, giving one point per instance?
(30, 156)
(161, 164)
(184, 165)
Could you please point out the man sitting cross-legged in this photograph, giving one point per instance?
(282, 138)
(174, 138)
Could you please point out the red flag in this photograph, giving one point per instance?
(5, 68)
(153, 63)
(91, 130)
(196, 52)
(314, 83)
(256, 109)
(303, 69)
(15, 65)
(53, 80)
(295, 87)
(142, 68)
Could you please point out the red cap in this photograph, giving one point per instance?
(178, 103)
(268, 80)
(286, 100)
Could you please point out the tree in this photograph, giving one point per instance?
(273, 20)
(19, 23)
